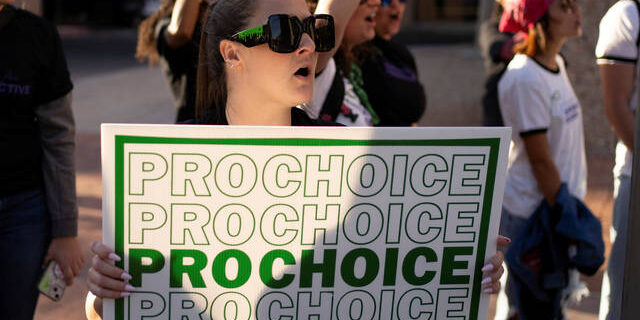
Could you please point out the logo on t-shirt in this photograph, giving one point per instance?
(571, 113)
(10, 84)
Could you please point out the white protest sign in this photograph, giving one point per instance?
(240, 223)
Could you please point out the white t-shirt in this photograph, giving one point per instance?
(353, 113)
(618, 44)
(535, 99)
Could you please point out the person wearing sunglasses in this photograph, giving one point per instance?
(389, 71)
(257, 59)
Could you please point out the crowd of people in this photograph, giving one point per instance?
(331, 63)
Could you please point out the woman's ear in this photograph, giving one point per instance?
(229, 52)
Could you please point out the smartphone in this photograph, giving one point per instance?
(52, 282)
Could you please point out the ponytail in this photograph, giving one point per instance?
(146, 48)
(223, 19)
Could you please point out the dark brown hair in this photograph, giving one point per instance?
(223, 19)
(358, 55)
(537, 39)
(146, 48)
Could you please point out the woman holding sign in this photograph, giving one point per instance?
(237, 58)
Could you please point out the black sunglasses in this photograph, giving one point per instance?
(283, 33)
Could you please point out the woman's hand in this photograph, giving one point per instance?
(67, 253)
(105, 280)
(493, 270)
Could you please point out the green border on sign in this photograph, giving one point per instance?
(492, 143)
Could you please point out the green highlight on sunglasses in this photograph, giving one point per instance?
(252, 34)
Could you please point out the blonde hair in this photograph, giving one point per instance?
(146, 47)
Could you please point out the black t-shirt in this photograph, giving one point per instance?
(33, 71)
(391, 82)
(180, 68)
(491, 41)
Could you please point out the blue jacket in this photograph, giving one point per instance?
(549, 233)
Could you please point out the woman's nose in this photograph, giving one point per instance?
(306, 44)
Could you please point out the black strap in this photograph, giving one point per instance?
(618, 59)
(6, 14)
(533, 132)
(335, 97)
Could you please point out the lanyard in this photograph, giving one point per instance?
(355, 77)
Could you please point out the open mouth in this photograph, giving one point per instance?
(371, 18)
(303, 72)
(395, 16)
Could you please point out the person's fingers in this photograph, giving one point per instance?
(497, 260)
(105, 293)
(68, 274)
(493, 276)
(493, 269)
(501, 272)
(104, 282)
(494, 263)
(494, 288)
(81, 262)
(103, 251)
(47, 258)
(108, 269)
(503, 241)
(491, 284)
(76, 268)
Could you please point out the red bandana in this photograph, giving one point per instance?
(522, 15)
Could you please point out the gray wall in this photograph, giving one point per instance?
(583, 71)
